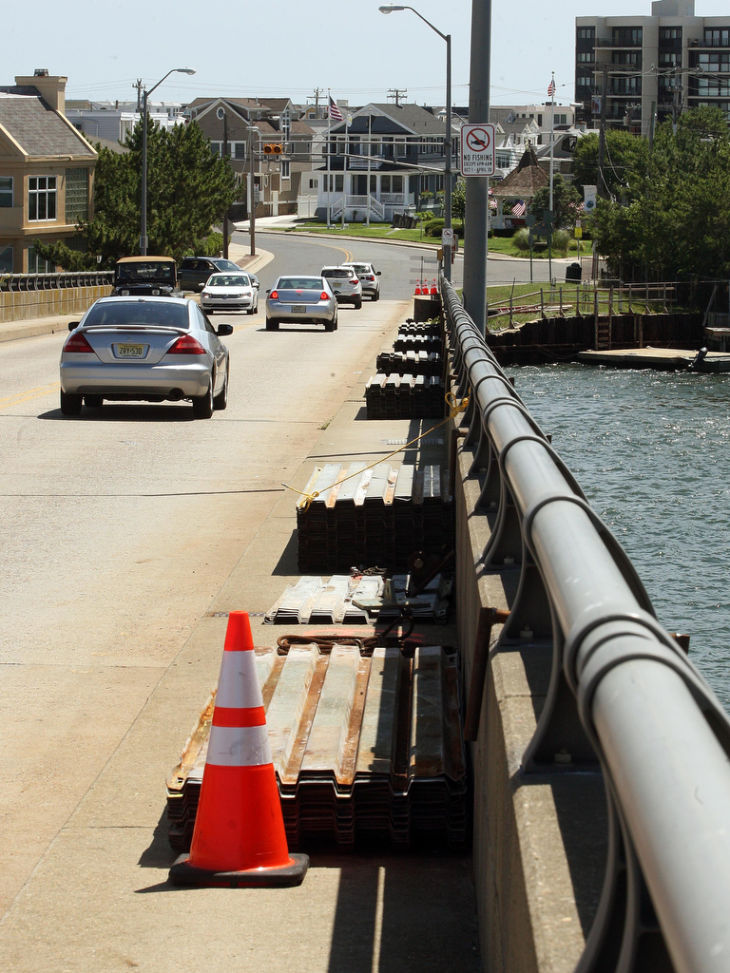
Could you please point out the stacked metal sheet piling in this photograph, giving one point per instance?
(409, 382)
(353, 517)
(366, 746)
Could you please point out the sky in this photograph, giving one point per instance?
(292, 48)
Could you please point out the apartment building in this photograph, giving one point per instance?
(633, 72)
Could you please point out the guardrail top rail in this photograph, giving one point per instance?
(639, 707)
(42, 282)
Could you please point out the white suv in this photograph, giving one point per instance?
(368, 277)
(345, 284)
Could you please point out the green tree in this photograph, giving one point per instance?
(676, 225)
(188, 189)
(458, 199)
(566, 200)
(625, 159)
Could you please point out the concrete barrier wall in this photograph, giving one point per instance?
(25, 305)
(540, 840)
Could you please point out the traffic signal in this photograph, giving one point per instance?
(272, 148)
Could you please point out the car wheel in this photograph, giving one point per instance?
(70, 404)
(376, 296)
(272, 325)
(93, 401)
(203, 404)
(220, 401)
(358, 303)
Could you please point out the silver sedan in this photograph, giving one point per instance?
(144, 348)
(301, 299)
(229, 292)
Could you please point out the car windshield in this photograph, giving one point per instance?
(300, 283)
(123, 313)
(145, 271)
(361, 268)
(229, 280)
(337, 274)
(226, 265)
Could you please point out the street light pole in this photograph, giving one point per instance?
(143, 202)
(390, 8)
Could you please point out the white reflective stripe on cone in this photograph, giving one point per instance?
(239, 746)
(238, 685)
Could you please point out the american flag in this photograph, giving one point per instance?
(519, 208)
(551, 87)
(334, 110)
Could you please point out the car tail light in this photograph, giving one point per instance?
(78, 344)
(274, 295)
(324, 296)
(187, 345)
(369, 277)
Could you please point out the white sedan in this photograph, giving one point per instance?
(229, 292)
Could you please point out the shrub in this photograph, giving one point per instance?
(561, 239)
(521, 239)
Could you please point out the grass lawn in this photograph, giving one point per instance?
(384, 231)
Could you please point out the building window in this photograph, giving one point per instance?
(285, 169)
(717, 36)
(42, 198)
(6, 191)
(77, 195)
(37, 265)
(239, 150)
(6, 260)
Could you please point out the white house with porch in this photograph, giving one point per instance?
(381, 160)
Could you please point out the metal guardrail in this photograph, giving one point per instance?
(47, 282)
(622, 693)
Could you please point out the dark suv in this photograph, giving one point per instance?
(194, 271)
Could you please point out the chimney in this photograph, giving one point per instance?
(51, 87)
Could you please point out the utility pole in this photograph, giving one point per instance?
(476, 247)
(317, 93)
(395, 94)
(139, 87)
(602, 187)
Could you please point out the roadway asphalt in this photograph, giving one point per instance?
(381, 911)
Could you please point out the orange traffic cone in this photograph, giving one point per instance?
(418, 288)
(239, 837)
(434, 288)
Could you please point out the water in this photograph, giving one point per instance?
(651, 451)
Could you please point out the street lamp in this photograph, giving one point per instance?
(388, 9)
(145, 95)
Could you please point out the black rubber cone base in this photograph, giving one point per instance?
(183, 873)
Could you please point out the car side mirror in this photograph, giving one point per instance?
(378, 273)
(224, 329)
(72, 325)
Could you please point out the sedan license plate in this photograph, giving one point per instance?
(130, 351)
(299, 308)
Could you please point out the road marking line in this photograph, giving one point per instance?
(30, 394)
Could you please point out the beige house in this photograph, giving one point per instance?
(46, 171)
(268, 144)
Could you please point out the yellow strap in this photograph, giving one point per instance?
(455, 407)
